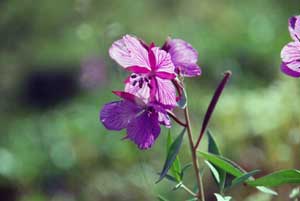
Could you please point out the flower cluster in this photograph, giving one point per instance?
(149, 90)
(290, 53)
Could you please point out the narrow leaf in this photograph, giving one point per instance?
(266, 190)
(243, 178)
(171, 178)
(213, 148)
(187, 166)
(212, 145)
(278, 178)
(223, 163)
(175, 167)
(214, 171)
(171, 156)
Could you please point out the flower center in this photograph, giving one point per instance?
(140, 80)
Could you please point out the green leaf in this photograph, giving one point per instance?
(182, 102)
(213, 148)
(171, 156)
(175, 167)
(278, 178)
(223, 163)
(187, 166)
(243, 178)
(266, 190)
(161, 198)
(214, 171)
(222, 198)
(212, 145)
(171, 178)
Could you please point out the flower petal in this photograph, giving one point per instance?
(290, 55)
(117, 115)
(294, 27)
(184, 57)
(128, 52)
(165, 92)
(189, 70)
(291, 52)
(143, 130)
(163, 61)
(164, 119)
(139, 89)
(287, 70)
(130, 97)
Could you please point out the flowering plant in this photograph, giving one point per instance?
(155, 87)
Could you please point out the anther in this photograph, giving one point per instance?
(141, 83)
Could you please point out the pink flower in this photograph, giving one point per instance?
(184, 57)
(142, 121)
(152, 70)
(290, 53)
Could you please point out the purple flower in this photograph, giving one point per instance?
(142, 121)
(184, 57)
(152, 70)
(290, 54)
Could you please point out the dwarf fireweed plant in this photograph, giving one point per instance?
(153, 89)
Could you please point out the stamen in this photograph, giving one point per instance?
(146, 79)
(134, 83)
(149, 85)
(141, 82)
(133, 76)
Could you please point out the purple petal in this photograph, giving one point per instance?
(163, 116)
(291, 52)
(138, 69)
(117, 115)
(152, 59)
(164, 119)
(184, 57)
(130, 97)
(289, 71)
(294, 27)
(128, 51)
(163, 61)
(189, 70)
(165, 92)
(164, 75)
(143, 130)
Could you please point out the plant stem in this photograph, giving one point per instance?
(194, 157)
(173, 116)
(188, 190)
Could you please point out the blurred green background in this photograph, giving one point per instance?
(56, 74)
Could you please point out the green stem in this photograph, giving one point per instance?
(194, 157)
